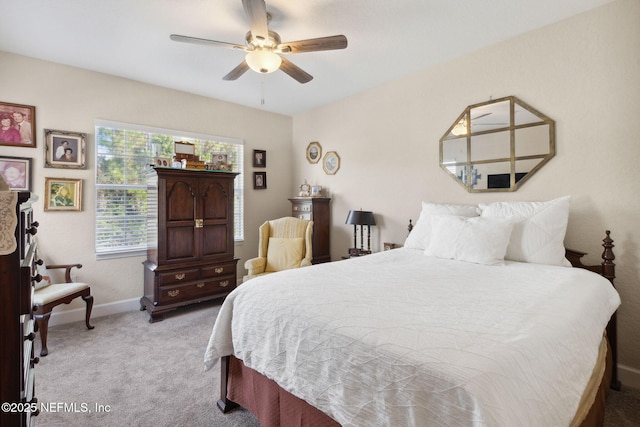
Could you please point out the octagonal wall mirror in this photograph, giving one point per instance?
(497, 145)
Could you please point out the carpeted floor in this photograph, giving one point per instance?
(128, 372)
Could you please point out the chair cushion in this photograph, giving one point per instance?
(284, 253)
(59, 290)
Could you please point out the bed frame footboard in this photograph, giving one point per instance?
(607, 269)
(224, 404)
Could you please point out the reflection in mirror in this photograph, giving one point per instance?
(497, 145)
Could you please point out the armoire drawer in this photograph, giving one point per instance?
(181, 276)
(301, 215)
(218, 270)
(193, 291)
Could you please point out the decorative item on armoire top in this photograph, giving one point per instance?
(361, 218)
(259, 159)
(16, 172)
(331, 163)
(64, 149)
(314, 152)
(17, 125)
(62, 194)
(259, 180)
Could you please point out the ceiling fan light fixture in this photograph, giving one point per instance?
(263, 61)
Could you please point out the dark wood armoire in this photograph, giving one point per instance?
(17, 277)
(190, 244)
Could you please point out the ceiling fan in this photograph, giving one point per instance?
(264, 47)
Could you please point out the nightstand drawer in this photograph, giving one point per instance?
(180, 276)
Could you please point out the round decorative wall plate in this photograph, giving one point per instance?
(331, 163)
(314, 152)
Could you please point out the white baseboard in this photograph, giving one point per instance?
(628, 376)
(77, 315)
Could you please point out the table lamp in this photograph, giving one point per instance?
(361, 218)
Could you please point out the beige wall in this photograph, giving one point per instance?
(584, 73)
(71, 99)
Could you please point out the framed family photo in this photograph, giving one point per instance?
(17, 125)
(62, 194)
(259, 180)
(66, 150)
(16, 171)
(259, 159)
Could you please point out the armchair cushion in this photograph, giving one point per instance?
(284, 253)
(56, 291)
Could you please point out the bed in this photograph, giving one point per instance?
(477, 320)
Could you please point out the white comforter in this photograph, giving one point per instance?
(401, 339)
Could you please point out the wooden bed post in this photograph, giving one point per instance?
(609, 271)
(224, 404)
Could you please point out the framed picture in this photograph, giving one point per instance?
(63, 149)
(17, 125)
(62, 194)
(316, 191)
(162, 161)
(331, 163)
(259, 180)
(220, 161)
(259, 159)
(314, 152)
(16, 171)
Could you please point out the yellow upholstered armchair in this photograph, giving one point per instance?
(284, 243)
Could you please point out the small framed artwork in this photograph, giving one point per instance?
(259, 159)
(17, 125)
(259, 180)
(331, 163)
(62, 194)
(316, 191)
(165, 162)
(219, 161)
(63, 149)
(186, 148)
(314, 152)
(16, 171)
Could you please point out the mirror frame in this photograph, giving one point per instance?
(461, 130)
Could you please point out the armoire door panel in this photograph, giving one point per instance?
(215, 201)
(181, 200)
(183, 245)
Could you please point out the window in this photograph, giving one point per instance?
(123, 153)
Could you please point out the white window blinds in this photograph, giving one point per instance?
(123, 152)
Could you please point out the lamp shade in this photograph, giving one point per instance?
(263, 61)
(360, 218)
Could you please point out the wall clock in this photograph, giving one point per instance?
(331, 163)
(314, 152)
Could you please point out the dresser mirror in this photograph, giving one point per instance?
(497, 145)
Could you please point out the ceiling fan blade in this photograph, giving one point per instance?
(256, 11)
(196, 40)
(294, 71)
(313, 45)
(237, 72)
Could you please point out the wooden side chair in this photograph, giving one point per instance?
(47, 296)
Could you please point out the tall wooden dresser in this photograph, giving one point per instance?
(190, 245)
(318, 210)
(17, 277)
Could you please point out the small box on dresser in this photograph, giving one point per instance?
(17, 276)
(190, 244)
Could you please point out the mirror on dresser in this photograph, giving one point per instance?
(497, 145)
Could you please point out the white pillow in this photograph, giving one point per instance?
(478, 240)
(539, 229)
(284, 253)
(420, 236)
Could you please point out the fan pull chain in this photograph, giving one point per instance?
(262, 91)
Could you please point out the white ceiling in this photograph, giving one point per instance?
(387, 40)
